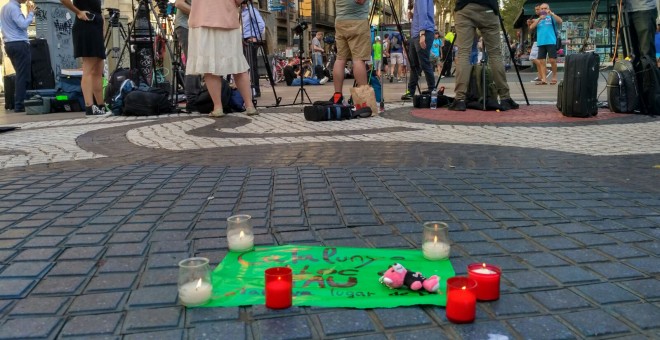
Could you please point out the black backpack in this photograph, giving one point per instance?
(114, 83)
(153, 101)
(649, 80)
(622, 95)
(475, 96)
(231, 100)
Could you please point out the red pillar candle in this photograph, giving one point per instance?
(488, 280)
(279, 285)
(461, 299)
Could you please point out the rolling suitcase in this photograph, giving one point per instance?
(10, 89)
(580, 85)
(42, 70)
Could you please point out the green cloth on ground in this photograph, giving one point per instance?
(326, 276)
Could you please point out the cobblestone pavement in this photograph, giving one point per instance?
(96, 213)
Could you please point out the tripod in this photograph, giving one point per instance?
(252, 50)
(176, 60)
(301, 91)
(114, 35)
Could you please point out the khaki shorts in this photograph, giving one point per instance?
(353, 39)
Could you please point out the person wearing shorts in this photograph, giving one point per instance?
(546, 37)
(353, 41)
(396, 56)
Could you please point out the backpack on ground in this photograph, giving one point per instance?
(480, 92)
(649, 82)
(114, 84)
(622, 96)
(153, 101)
(201, 101)
(323, 111)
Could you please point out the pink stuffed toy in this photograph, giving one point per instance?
(398, 276)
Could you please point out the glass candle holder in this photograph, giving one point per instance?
(488, 280)
(279, 287)
(195, 287)
(461, 299)
(240, 237)
(435, 242)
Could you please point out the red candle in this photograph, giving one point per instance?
(279, 284)
(488, 280)
(461, 299)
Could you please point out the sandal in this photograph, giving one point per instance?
(541, 83)
(553, 82)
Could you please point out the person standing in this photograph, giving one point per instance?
(435, 51)
(181, 24)
(641, 16)
(215, 50)
(448, 52)
(353, 39)
(317, 53)
(17, 46)
(88, 44)
(657, 45)
(546, 35)
(470, 16)
(254, 29)
(421, 32)
(396, 56)
(386, 54)
(378, 56)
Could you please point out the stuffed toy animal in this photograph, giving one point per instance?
(398, 276)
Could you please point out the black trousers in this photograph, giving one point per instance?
(250, 52)
(19, 54)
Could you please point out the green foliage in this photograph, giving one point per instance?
(510, 11)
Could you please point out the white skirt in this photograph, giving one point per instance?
(215, 51)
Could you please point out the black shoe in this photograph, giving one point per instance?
(407, 96)
(257, 95)
(19, 110)
(457, 105)
(337, 98)
(508, 104)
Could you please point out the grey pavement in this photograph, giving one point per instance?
(96, 213)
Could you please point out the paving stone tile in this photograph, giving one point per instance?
(518, 246)
(644, 316)
(630, 236)
(59, 285)
(120, 264)
(583, 255)
(84, 325)
(31, 327)
(152, 319)
(513, 304)
(647, 288)
(571, 274)
(174, 334)
(541, 327)
(428, 333)
(335, 233)
(96, 229)
(230, 329)
(110, 282)
(37, 254)
(403, 317)
(153, 297)
(358, 220)
(28, 269)
(501, 234)
(615, 270)
(299, 236)
(622, 251)
(86, 240)
(43, 242)
(479, 249)
(506, 263)
(198, 315)
(595, 322)
(345, 242)
(131, 249)
(461, 236)
(166, 260)
(483, 330)
(345, 321)
(392, 241)
(607, 293)
(160, 277)
(67, 268)
(651, 247)
(103, 302)
(5, 255)
(530, 280)
(128, 237)
(563, 299)
(43, 306)
(81, 253)
(289, 327)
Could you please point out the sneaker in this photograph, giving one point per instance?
(457, 105)
(324, 80)
(251, 111)
(337, 98)
(399, 80)
(217, 113)
(97, 111)
(407, 96)
(508, 104)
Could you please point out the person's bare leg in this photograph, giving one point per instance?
(537, 63)
(242, 81)
(87, 81)
(97, 81)
(543, 69)
(553, 65)
(360, 72)
(338, 75)
(214, 85)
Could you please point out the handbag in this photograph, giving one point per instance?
(558, 42)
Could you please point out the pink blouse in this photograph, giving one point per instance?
(214, 14)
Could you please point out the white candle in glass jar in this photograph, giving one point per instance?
(485, 271)
(240, 241)
(435, 250)
(195, 293)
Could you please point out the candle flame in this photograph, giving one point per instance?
(199, 283)
(435, 239)
(484, 264)
(241, 234)
(279, 278)
(463, 288)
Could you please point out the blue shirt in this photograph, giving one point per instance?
(249, 27)
(14, 23)
(435, 48)
(545, 32)
(423, 18)
(396, 43)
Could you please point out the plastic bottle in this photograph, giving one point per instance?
(434, 99)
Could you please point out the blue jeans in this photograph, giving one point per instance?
(19, 54)
(420, 60)
(306, 81)
(317, 59)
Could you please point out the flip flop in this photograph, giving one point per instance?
(541, 83)
(553, 82)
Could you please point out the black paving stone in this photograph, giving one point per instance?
(518, 246)
(39, 254)
(120, 265)
(166, 260)
(103, 302)
(154, 319)
(67, 268)
(153, 297)
(530, 280)
(583, 255)
(31, 327)
(392, 241)
(85, 325)
(483, 330)
(40, 306)
(289, 327)
(615, 270)
(229, 329)
(622, 251)
(416, 334)
(32, 269)
(513, 304)
(198, 315)
(556, 300)
(132, 249)
(644, 316)
(595, 322)
(344, 322)
(571, 274)
(647, 288)
(81, 253)
(541, 327)
(403, 317)
(648, 265)
(606, 293)
(110, 282)
(479, 249)
(60, 285)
